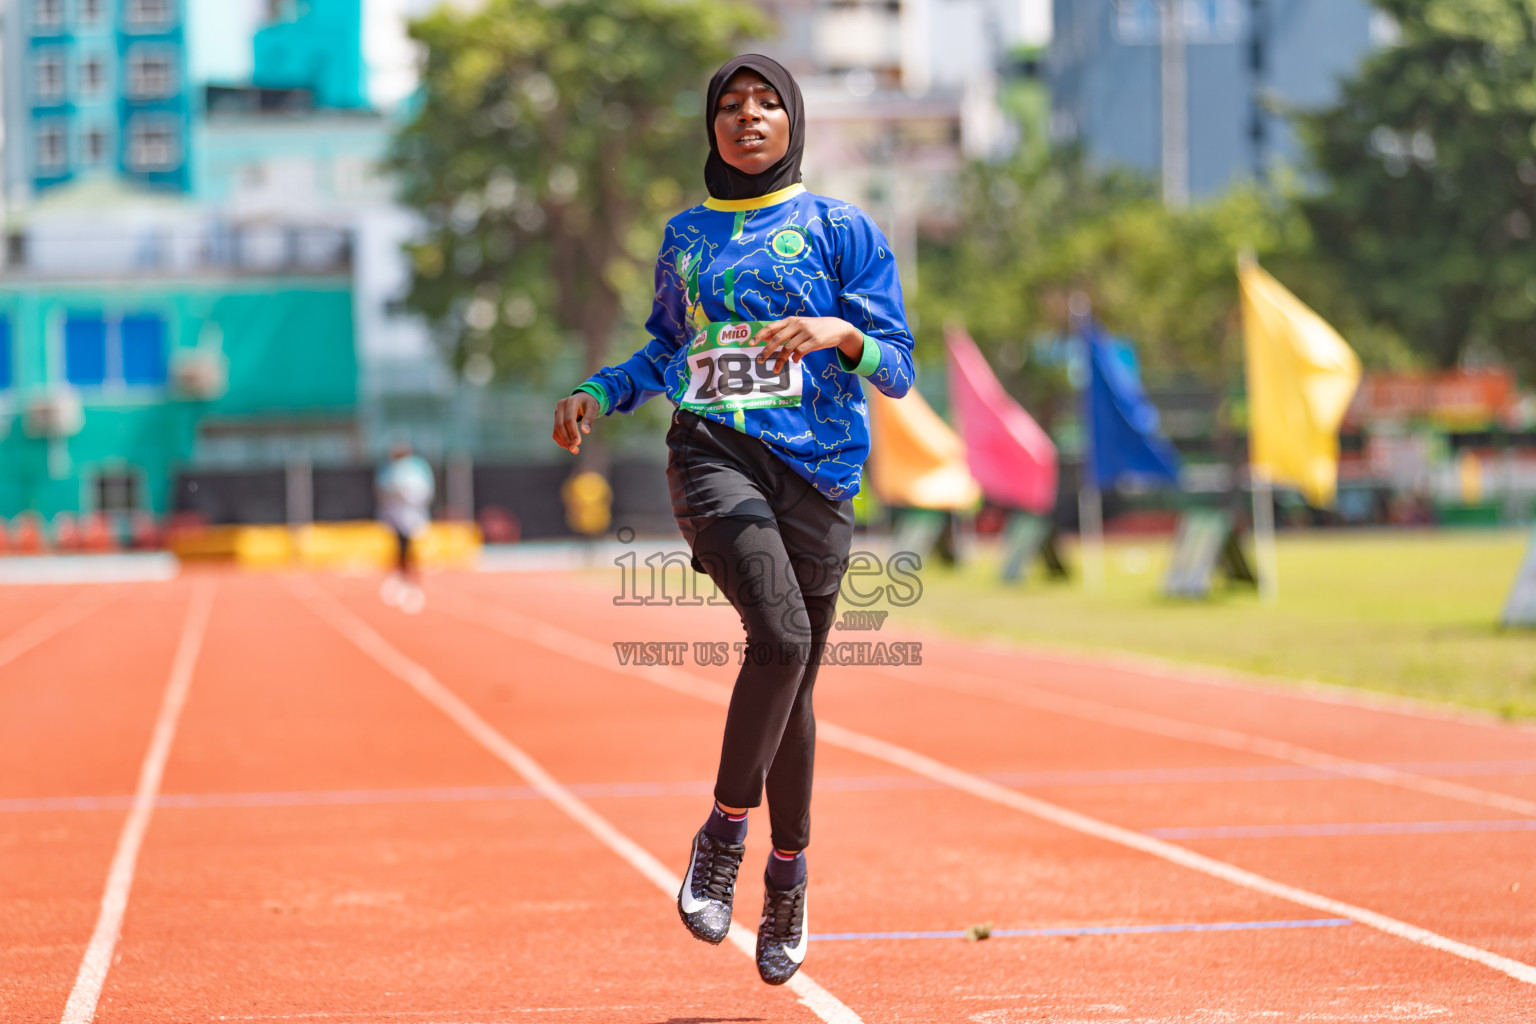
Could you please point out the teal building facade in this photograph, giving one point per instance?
(316, 46)
(108, 387)
(229, 314)
(95, 88)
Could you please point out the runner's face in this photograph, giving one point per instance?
(751, 124)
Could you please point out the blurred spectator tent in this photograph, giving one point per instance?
(1457, 447)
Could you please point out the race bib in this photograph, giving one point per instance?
(724, 372)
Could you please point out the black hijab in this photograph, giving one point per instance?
(725, 181)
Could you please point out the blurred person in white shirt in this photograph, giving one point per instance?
(405, 487)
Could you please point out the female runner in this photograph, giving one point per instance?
(771, 302)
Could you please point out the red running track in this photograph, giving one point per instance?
(340, 833)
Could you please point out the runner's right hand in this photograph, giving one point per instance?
(573, 417)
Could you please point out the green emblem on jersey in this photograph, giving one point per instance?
(684, 261)
(789, 244)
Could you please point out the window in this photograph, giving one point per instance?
(47, 16)
(1213, 21)
(48, 77)
(1140, 22)
(117, 490)
(92, 11)
(99, 352)
(52, 148)
(151, 73)
(7, 371)
(153, 144)
(95, 146)
(85, 350)
(143, 338)
(93, 75)
(149, 13)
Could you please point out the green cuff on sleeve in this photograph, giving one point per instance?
(868, 362)
(597, 392)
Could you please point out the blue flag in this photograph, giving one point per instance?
(1122, 423)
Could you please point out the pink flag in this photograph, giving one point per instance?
(1009, 455)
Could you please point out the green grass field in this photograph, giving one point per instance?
(1403, 613)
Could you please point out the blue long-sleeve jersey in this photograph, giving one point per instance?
(789, 253)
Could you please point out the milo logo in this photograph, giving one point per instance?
(788, 243)
(734, 334)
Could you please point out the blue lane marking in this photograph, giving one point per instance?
(845, 784)
(312, 798)
(1363, 828)
(334, 797)
(1124, 929)
(1254, 773)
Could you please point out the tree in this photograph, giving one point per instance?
(1030, 234)
(551, 141)
(1430, 166)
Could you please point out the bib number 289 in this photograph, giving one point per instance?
(739, 373)
(723, 375)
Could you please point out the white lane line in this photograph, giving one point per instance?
(1293, 688)
(817, 999)
(1013, 692)
(47, 626)
(1120, 778)
(114, 902)
(580, 648)
(1347, 828)
(68, 570)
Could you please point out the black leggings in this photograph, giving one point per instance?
(770, 730)
(404, 564)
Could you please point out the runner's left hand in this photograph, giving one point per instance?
(794, 336)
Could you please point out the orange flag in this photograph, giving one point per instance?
(916, 460)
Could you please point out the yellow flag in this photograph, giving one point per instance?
(1301, 378)
(916, 460)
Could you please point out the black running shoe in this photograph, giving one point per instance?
(782, 935)
(704, 901)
